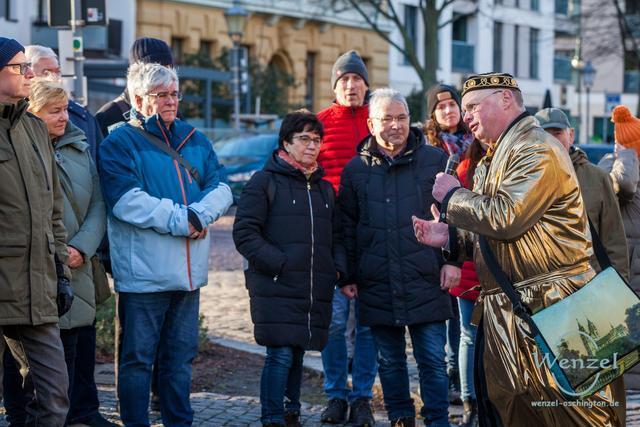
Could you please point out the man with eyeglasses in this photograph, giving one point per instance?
(345, 125)
(149, 51)
(396, 279)
(527, 207)
(32, 246)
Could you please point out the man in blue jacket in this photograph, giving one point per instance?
(160, 178)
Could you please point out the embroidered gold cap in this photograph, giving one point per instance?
(489, 81)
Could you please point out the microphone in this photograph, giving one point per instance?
(452, 164)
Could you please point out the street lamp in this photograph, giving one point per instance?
(578, 66)
(236, 18)
(588, 73)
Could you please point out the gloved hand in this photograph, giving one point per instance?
(65, 291)
(65, 296)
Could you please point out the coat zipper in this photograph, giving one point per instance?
(44, 169)
(311, 269)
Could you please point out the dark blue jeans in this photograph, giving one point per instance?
(428, 340)
(281, 377)
(166, 324)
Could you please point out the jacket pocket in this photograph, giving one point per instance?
(11, 270)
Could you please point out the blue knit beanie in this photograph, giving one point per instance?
(8, 49)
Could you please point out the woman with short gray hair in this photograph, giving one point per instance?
(162, 187)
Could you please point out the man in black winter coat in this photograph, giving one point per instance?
(399, 282)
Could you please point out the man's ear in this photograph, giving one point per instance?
(137, 103)
(370, 125)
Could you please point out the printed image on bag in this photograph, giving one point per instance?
(591, 337)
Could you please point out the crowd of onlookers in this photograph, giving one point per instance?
(339, 213)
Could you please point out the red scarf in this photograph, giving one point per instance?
(287, 158)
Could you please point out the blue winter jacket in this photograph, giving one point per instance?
(148, 196)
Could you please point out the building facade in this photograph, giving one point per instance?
(514, 36)
(302, 38)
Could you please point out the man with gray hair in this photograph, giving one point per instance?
(161, 183)
(400, 283)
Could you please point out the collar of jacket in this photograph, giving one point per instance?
(73, 137)
(13, 112)
(275, 164)
(368, 147)
(155, 125)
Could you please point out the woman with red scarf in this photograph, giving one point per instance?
(286, 228)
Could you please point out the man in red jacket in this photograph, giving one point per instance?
(345, 125)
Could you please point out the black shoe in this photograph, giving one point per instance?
(361, 414)
(292, 419)
(404, 422)
(100, 421)
(470, 414)
(335, 412)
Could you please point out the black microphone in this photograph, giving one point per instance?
(452, 164)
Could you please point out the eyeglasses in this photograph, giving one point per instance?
(387, 120)
(307, 140)
(473, 108)
(23, 67)
(164, 95)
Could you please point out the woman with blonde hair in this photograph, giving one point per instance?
(85, 222)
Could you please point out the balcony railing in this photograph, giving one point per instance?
(631, 81)
(462, 56)
(562, 68)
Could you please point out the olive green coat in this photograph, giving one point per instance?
(602, 207)
(31, 228)
(84, 218)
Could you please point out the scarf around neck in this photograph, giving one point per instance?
(287, 158)
(456, 143)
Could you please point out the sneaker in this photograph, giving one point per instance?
(292, 419)
(98, 420)
(335, 412)
(361, 414)
(404, 422)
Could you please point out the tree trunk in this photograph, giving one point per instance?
(431, 49)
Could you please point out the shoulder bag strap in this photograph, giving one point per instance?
(598, 248)
(519, 307)
(171, 152)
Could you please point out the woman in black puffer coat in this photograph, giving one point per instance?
(286, 226)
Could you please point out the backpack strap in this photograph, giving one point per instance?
(161, 145)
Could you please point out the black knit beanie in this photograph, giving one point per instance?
(442, 91)
(151, 51)
(8, 49)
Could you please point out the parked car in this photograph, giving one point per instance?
(596, 151)
(243, 155)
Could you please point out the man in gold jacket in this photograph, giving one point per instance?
(527, 204)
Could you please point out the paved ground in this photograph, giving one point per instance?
(225, 304)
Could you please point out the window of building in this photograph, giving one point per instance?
(9, 10)
(411, 26)
(562, 7)
(459, 28)
(206, 48)
(535, 4)
(632, 6)
(177, 49)
(497, 46)
(534, 36)
(310, 80)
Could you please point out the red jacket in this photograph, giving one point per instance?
(469, 277)
(344, 128)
